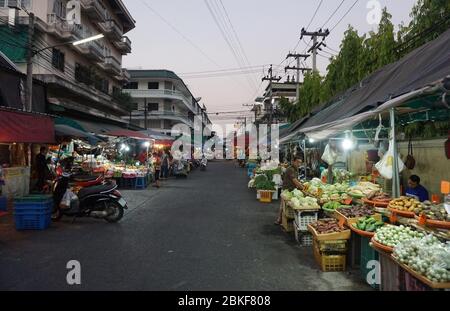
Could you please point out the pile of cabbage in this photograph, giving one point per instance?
(327, 192)
(427, 256)
(297, 200)
(339, 175)
(364, 189)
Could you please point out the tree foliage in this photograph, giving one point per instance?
(359, 56)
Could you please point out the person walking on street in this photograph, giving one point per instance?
(291, 182)
(165, 165)
(41, 168)
(157, 164)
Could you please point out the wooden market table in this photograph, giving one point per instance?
(396, 276)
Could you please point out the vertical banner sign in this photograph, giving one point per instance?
(73, 16)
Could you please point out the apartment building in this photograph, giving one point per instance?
(84, 80)
(161, 100)
(272, 96)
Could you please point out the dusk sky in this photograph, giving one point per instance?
(267, 30)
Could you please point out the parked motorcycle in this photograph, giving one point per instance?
(84, 181)
(102, 201)
(181, 168)
(203, 164)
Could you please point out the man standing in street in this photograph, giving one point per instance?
(41, 168)
(290, 181)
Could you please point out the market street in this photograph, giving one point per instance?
(205, 233)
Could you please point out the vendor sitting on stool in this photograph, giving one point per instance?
(290, 181)
(416, 190)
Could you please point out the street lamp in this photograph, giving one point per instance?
(16, 5)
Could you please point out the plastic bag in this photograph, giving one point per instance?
(277, 179)
(67, 199)
(329, 155)
(385, 166)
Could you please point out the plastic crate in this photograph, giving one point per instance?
(23, 207)
(303, 238)
(335, 247)
(329, 263)
(36, 221)
(288, 211)
(265, 196)
(3, 204)
(368, 254)
(303, 219)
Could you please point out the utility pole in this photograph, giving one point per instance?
(271, 78)
(316, 46)
(298, 69)
(29, 86)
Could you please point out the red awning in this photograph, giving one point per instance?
(128, 133)
(22, 127)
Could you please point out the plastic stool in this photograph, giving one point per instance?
(140, 183)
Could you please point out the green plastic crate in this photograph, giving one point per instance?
(367, 254)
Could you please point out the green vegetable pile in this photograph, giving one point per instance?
(427, 256)
(331, 206)
(390, 235)
(263, 183)
(368, 224)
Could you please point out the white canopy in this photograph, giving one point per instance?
(327, 130)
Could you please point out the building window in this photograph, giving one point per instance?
(58, 59)
(25, 3)
(59, 8)
(131, 86)
(153, 85)
(153, 106)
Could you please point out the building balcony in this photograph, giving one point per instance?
(112, 30)
(112, 65)
(95, 9)
(92, 50)
(59, 27)
(124, 76)
(124, 45)
(162, 115)
(162, 94)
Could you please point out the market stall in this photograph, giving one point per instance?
(398, 242)
(20, 134)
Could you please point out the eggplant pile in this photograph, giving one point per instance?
(357, 211)
(325, 226)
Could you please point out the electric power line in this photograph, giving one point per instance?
(222, 25)
(179, 32)
(342, 18)
(331, 16)
(315, 13)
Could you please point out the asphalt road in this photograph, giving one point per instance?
(207, 232)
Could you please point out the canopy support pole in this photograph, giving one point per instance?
(395, 173)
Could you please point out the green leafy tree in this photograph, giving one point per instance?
(430, 18)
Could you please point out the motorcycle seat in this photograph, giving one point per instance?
(95, 190)
(84, 178)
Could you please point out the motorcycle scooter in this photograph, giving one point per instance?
(102, 201)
